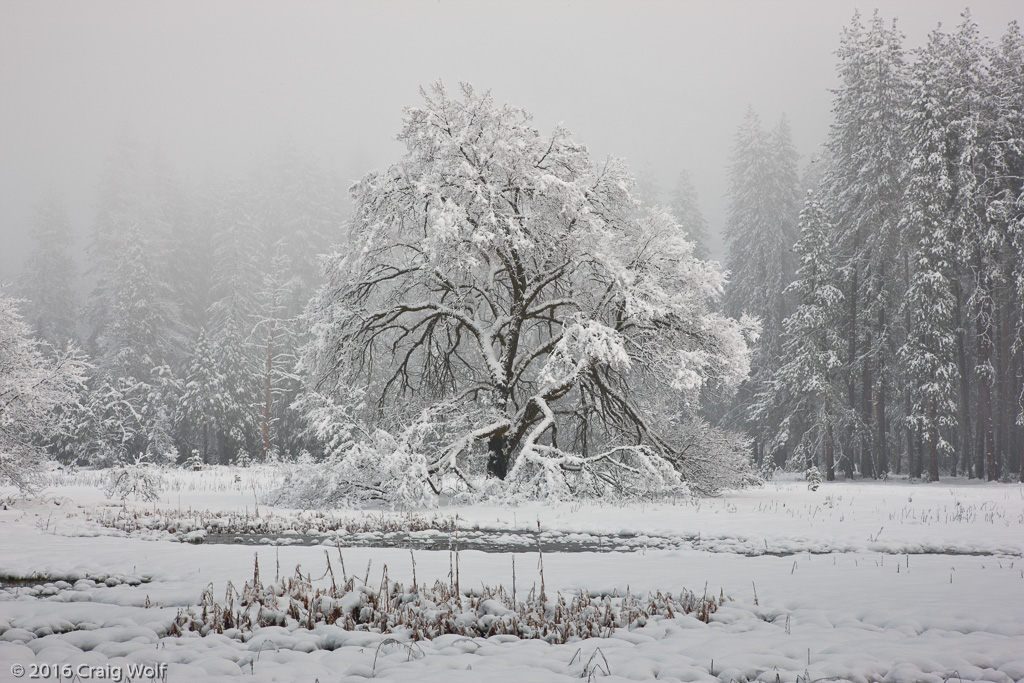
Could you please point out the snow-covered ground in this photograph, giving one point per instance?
(863, 581)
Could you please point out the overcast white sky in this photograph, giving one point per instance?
(214, 84)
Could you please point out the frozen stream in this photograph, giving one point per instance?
(489, 541)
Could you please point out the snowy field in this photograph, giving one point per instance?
(861, 581)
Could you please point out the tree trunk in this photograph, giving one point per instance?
(867, 463)
(880, 419)
(852, 360)
(498, 456)
(1018, 408)
(998, 457)
(847, 456)
(918, 469)
(964, 413)
(206, 443)
(985, 456)
(830, 456)
(911, 432)
(268, 397)
(933, 447)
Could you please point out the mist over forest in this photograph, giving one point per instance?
(699, 244)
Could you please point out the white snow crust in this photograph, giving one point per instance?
(860, 581)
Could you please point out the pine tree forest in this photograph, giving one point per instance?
(896, 345)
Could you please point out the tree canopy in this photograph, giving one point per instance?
(509, 293)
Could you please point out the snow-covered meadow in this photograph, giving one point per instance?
(863, 581)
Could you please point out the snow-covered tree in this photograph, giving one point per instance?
(137, 331)
(1006, 182)
(862, 195)
(997, 259)
(202, 401)
(235, 285)
(48, 282)
(647, 189)
(38, 387)
(805, 391)
(274, 342)
(929, 353)
(135, 321)
(299, 210)
(505, 283)
(687, 211)
(922, 186)
(124, 421)
(760, 233)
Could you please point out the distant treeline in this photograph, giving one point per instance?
(191, 326)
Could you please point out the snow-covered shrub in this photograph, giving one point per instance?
(382, 468)
(713, 459)
(38, 388)
(134, 479)
(813, 477)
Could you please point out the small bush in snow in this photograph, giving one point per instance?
(382, 470)
(134, 479)
(813, 477)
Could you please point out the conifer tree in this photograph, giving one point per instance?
(761, 231)
(686, 208)
(805, 385)
(48, 283)
(202, 401)
(929, 353)
(235, 286)
(274, 341)
(1004, 186)
(136, 328)
(863, 195)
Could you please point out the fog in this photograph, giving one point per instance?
(214, 85)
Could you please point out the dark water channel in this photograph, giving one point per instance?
(489, 541)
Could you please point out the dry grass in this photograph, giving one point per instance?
(422, 612)
(179, 521)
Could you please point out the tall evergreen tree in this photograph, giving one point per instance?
(202, 401)
(274, 341)
(931, 223)
(48, 283)
(235, 285)
(1005, 215)
(686, 209)
(862, 195)
(804, 388)
(136, 329)
(134, 318)
(761, 231)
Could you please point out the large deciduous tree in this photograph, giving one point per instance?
(505, 293)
